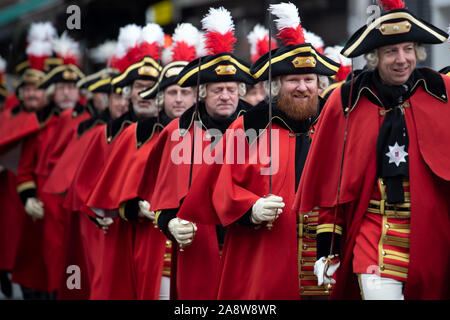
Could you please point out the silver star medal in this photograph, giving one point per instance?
(397, 154)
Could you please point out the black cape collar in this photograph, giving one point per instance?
(47, 112)
(187, 118)
(430, 80)
(88, 124)
(116, 126)
(146, 128)
(258, 119)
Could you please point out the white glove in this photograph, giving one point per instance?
(144, 210)
(325, 276)
(105, 222)
(182, 230)
(34, 208)
(267, 209)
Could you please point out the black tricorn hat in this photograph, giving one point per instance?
(63, 73)
(393, 27)
(167, 78)
(222, 67)
(104, 73)
(445, 70)
(290, 59)
(104, 86)
(145, 69)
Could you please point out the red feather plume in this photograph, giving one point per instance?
(291, 36)
(217, 43)
(183, 52)
(389, 5)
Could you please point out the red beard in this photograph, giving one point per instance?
(296, 110)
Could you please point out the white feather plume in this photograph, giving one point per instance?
(128, 37)
(188, 33)
(334, 53)
(287, 14)
(257, 34)
(152, 32)
(39, 48)
(201, 49)
(166, 55)
(41, 31)
(65, 46)
(2, 65)
(103, 52)
(218, 20)
(313, 38)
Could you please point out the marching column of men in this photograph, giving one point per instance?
(180, 171)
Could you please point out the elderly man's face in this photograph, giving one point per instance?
(66, 95)
(143, 108)
(298, 97)
(396, 63)
(221, 99)
(34, 99)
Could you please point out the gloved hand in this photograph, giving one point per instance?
(144, 210)
(104, 222)
(324, 268)
(34, 208)
(267, 209)
(182, 230)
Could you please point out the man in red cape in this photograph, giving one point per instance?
(378, 169)
(261, 261)
(118, 183)
(169, 169)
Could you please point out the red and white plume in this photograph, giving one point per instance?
(258, 39)
(315, 40)
(128, 38)
(103, 53)
(219, 27)
(67, 49)
(151, 43)
(290, 31)
(389, 5)
(185, 41)
(41, 31)
(201, 48)
(334, 53)
(39, 44)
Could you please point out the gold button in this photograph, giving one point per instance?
(387, 225)
(383, 253)
(305, 247)
(74, 114)
(302, 261)
(382, 267)
(302, 275)
(305, 217)
(395, 28)
(406, 105)
(182, 131)
(109, 139)
(207, 136)
(444, 96)
(382, 112)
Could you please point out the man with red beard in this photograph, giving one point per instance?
(267, 245)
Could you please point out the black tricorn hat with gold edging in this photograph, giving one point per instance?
(294, 56)
(219, 65)
(397, 25)
(63, 73)
(146, 69)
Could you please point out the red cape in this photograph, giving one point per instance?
(12, 215)
(62, 174)
(164, 184)
(119, 180)
(15, 127)
(429, 155)
(248, 268)
(66, 127)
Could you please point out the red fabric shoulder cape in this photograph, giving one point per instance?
(62, 174)
(66, 128)
(15, 127)
(120, 178)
